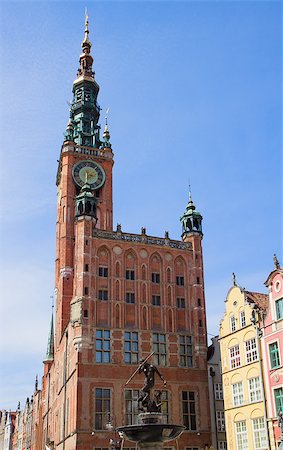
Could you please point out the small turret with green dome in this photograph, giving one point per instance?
(86, 202)
(191, 219)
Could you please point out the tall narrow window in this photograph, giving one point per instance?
(220, 420)
(155, 277)
(237, 391)
(101, 407)
(218, 389)
(155, 300)
(254, 389)
(102, 341)
(279, 309)
(186, 351)
(243, 319)
(180, 281)
(259, 431)
(241, 435)
(130, 297)
(274, 355)
(130, 274)
(278, 397)
(131, 406)
(180, 302)
(189, 410)
(103, 272)
(159, 348)
(235, 359)
(103, 294)
(251, 350)
(232, 324)
(164, 400)
(131, 347)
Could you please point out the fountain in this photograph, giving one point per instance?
(150, 432)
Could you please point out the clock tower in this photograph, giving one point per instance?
(120, 296)
(85, 165)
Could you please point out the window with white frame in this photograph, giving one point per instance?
(235, 359)
(241, 435)
(279, 309)
(274, 355)
(131, 405)
(232, 324)
(218, 389)
(251, 350)
(159, 348)
(222, 445)
(255, 389)
(220, 420)
(131, 347)
(237, 391)
(242, 319)
(259, 432)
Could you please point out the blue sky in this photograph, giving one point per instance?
(194, 90)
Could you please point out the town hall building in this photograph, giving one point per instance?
(119, 297)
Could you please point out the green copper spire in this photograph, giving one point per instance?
(106, 134)
(83, 127)
(50, 345)
(191, 219)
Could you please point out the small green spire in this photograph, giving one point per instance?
(106, 134)
(191, 219)
(50, 345)
(86, 202)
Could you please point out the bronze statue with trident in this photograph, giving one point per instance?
(145, 402)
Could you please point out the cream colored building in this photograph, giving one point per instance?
(244, 402)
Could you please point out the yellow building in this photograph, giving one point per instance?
(244, 403)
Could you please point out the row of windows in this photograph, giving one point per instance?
(252, 354)
(130, 275)
(250, 350)
(242, 323)
(259, 434)
(102, 407)
(132, 350)
(254, 388)
(130, 298)
(233, 321)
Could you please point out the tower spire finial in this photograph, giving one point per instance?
(86, 39)
(106, 134)
(190, 191)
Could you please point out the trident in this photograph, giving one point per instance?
(136, 371)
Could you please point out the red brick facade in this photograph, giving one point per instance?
(120, 296)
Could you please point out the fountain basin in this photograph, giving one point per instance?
(151, 432)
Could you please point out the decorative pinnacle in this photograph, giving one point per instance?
(86, 39)
(276, 262)
(106, 134)
(190, 193)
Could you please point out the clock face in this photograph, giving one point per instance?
(88, 172)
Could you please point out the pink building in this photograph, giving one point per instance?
(272, 350)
